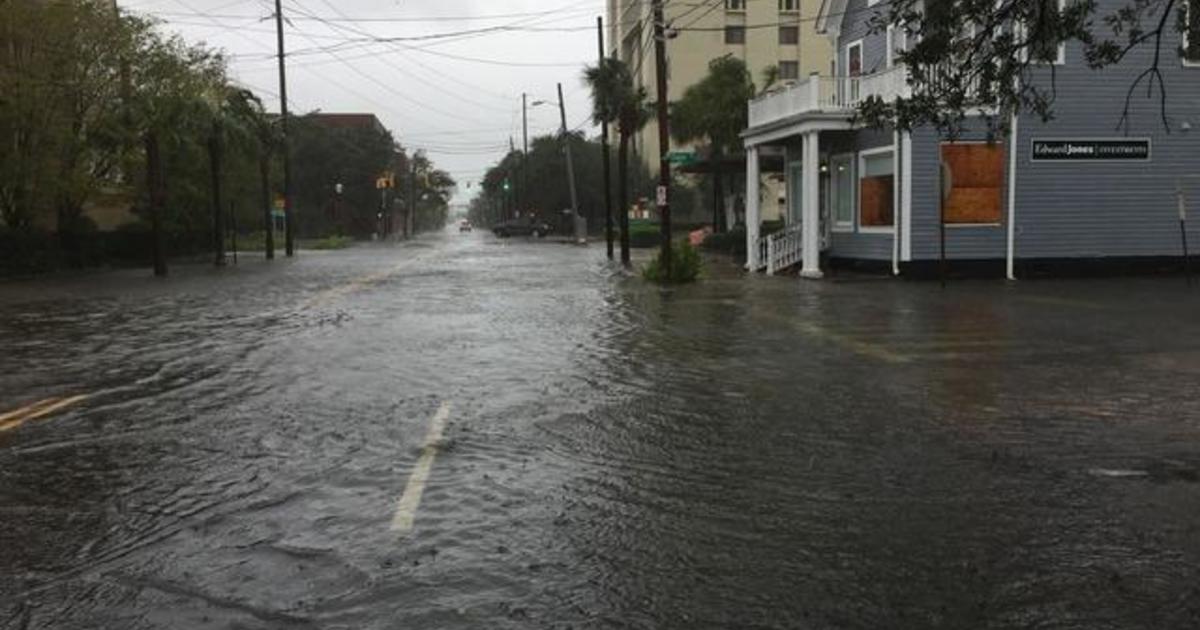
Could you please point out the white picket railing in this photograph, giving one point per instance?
(827, 94)
(782, 249)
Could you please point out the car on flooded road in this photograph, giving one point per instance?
(464, 226)
(523, 227)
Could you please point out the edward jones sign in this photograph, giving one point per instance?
(1091, 150)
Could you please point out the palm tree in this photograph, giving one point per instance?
(615, 100)
(714, 111)
(247, 123)
(169, 92)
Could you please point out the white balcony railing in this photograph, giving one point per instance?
(824, 94)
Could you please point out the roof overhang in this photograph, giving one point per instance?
(798, 125)
(829, 17)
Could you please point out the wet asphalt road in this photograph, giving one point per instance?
(749, 452)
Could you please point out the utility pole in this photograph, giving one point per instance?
(608, 217)
(524, 194)
(664, 137)
(410, 216)
(562, 111)
(289, 231)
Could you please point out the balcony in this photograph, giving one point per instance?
(827, 95)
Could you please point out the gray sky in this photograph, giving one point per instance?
(434, 94)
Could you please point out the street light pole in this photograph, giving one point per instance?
(289, 231)
(524, 192)
(562, 111)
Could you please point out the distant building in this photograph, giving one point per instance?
(762, 33)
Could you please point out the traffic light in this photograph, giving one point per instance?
(507, 185)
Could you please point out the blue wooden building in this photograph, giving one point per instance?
(1076, 188)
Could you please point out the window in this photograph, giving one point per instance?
(1191, 33)
(789, 70)
(876, 189)
(1044, 46)
(735, 5)
(842, 168)
(853, 70)
(735, 34)
(976, 173)
(896, 43)
(789, 6)
(789, 35)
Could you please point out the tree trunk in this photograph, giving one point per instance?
(264, 176)
(214, 163)
(154, 188)
(623, 196)
(718, 175)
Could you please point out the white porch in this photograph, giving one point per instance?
(802, 111)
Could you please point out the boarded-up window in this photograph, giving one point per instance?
(876, 191)
(977, 182)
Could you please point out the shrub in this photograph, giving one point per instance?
(732, 242)
(686, 265)
(644, 234)
(332, 242)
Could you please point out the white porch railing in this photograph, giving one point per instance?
(780, 250)
(827, 94)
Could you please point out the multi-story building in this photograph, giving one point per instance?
(763, 33)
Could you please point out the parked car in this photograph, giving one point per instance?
(464, 226)
(523, 227)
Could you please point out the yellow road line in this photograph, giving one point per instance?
(33, 412)
(406, 509)
(1059, 301)
(5, 417)
(865, 348)
(356, 284)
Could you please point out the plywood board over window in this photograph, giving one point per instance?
(977, 183)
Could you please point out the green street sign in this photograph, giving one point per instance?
(682, 158)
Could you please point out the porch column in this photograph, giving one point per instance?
(810, 209)
(752, 210)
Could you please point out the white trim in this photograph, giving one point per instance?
(1011, 235)
(843, 227)
(906, 201)
(872, 229)
(897, 201)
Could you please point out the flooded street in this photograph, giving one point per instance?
(259, 447)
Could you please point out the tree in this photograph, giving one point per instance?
(997, 63)
(713, 111)
(617, 101)
(170, 90)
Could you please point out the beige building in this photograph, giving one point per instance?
(763, 33)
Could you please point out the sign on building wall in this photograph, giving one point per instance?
(1091, 150)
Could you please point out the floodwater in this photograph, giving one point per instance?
(748, 452)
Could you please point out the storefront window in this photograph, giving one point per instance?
(876, 190)
(843, 191)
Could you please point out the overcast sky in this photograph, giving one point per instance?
(458, 98)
